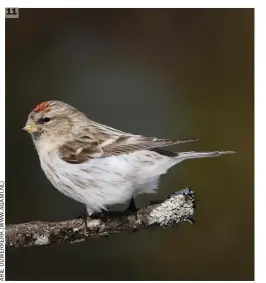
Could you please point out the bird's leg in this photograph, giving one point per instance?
(84, 215)
(132, 209)
(132, 206)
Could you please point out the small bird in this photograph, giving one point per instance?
(95, 164)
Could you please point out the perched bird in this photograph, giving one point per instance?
(96, 164)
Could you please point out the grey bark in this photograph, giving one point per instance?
(177, 208)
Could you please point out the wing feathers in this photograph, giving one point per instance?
(129, 144)
(79, 151)
(97, 140)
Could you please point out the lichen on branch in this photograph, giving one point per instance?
(177, 208)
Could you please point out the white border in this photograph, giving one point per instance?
(134, 4)
(260, 104)
(260, 139)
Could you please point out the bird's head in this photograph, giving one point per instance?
(53, 122)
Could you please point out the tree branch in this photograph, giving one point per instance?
(177, 208)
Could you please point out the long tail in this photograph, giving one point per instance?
(194, 154)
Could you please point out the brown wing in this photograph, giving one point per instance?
(76, 152)
(79, 151)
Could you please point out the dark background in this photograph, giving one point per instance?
(161, 72)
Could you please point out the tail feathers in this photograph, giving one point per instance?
(194, 154)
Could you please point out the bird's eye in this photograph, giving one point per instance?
(46, 119)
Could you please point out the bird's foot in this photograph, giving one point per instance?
(132, 209)
(84, 216)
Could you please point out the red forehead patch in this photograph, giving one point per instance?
(41, 107)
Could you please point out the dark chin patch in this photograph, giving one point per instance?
(36, 135)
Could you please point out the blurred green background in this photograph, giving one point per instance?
(168, 73)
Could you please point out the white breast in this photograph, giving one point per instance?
(101, 182)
